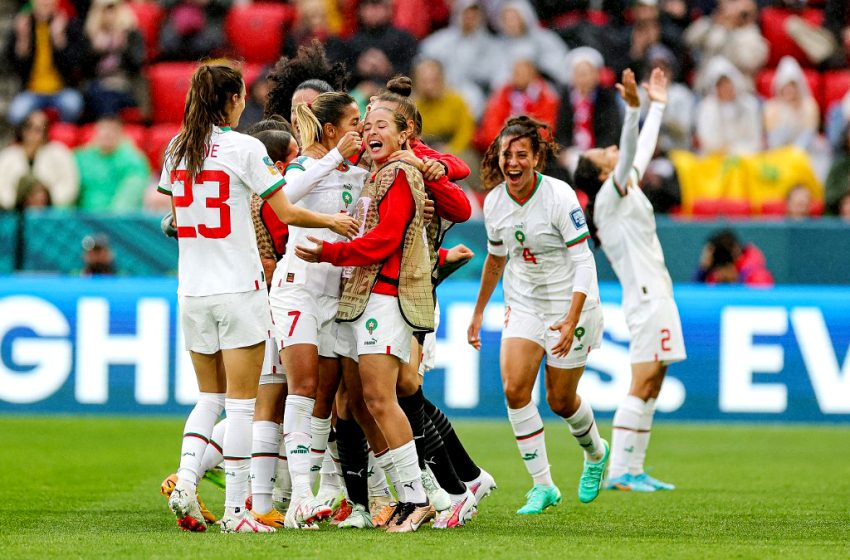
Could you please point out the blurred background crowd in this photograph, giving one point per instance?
(756, 125)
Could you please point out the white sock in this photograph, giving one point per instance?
(331, 479)
(377, 478)
(296, 437)
(624, 435)
(407, 465)
(385, 461)
(264, 464)
(283, 482)
(320, 429)
(642, 439)
(530, 438)
(237, 452)
(196, 436)
(212, 454)
(584, 429)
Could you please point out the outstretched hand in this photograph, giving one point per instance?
(310, 254)
(345, 225)
(628, 89)
(656, 88)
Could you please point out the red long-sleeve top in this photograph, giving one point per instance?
(450, 202)
(278, 230)
(456, 169)
(382, 244)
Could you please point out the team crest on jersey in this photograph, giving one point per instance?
(371, 325)
(520, 237)
(343, 167)
(577, 216)
(347, 198)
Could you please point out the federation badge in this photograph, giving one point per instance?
(520, 237)
(371, 325)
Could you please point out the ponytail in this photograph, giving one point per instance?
(326, 108)
(210, 92)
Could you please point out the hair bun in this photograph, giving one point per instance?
(400, 85)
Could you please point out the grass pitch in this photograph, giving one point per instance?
(89, 487)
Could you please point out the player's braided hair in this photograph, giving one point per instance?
(310, 69)
(523, 126)
(211, 90)
(586, 177)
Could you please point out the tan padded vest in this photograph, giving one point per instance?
(415, 295)
(264, 239)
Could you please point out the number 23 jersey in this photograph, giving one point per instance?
(216, 239)
(535, 235)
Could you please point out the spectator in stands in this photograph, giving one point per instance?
(98, 259)
(466, 50)
(589, 114)
(114, 173)
(837, 20)
(255, 104)
(837, 120)
(728, 117)
(45, 50)
(521, 37)
(798, 203)
(732, 32)
(677, 124)
(377, 50)
(791, 116)
(193, 29)
(725, 261)
(526, 94)
(645, 32)
(116, 51)
(31, 193)
(32, 153)
(838, 179)
(312, 23)
(447, 124)
(420, 17)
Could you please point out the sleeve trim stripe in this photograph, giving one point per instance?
(273, 189)
(583, 237)
(163, 190)
(495, 243)
(294, 166)
(621, 192)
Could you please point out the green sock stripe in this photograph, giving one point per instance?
(531, 435)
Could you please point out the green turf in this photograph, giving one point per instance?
(89, 488)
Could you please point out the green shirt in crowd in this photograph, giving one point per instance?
(113, 182)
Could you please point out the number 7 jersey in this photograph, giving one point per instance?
(215, 235)
(535, 235)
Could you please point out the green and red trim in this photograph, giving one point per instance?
(529, 436)
(267, 455)
(529, 197)
(226, 458)
(580, 239)
(163, 190)
(273, 189)
(199, 436)
(294, 166)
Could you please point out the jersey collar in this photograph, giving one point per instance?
(222, 128)
(522, 202)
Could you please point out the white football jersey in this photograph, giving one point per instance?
(337, 192)
(535, 236)
(626, 228)
(215, 235)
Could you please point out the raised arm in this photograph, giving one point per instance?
(629, 135)
(657, 90)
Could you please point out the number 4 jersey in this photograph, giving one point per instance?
(218, 246)
(535, 235)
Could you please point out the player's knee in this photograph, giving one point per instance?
(407, 386)
(516, 394)
(377, 404)
(561, 405)
(303, 387)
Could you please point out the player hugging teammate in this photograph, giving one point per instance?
(352, 357)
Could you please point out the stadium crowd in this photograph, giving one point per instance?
(758, 122)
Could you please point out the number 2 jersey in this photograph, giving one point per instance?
(335, 192)
(536, 235)
(215, 234)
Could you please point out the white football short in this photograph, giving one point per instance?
(273, 372)
(429, 347)
(523, 323)
(225, 321)
(304, 317)
(656, 332)
(380, 330)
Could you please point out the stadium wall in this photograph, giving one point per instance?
(798, 252)
(95, 346)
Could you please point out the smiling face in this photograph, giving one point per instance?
(350, 121)
(517, 161)
(382, 135)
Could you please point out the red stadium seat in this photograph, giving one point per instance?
(251, 72)
(773, 208)
(817, 207)
(255, 31)
(169, 84)
(735, 208)
(150, 16)
(781, 44)
(835, 86)
(706, 208)
(764, 84)
(157, 140)
(66, 133)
